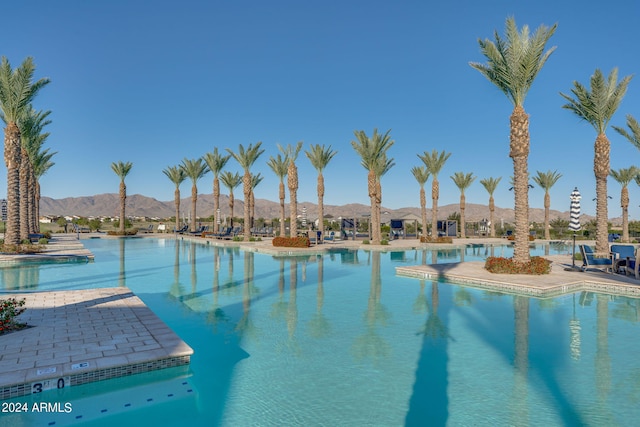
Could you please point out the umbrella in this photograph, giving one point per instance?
(574, 219)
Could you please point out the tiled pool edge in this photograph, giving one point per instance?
(85, 336)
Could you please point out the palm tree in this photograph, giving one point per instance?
(194, 169)
(17, 90)
(122, 170)
(634, 135)
(41, 164)
(421, 174)
(513, 65)
(490, 185)
(462, 181)
(320, 156)
(546, 180)
(291, 153)
(371, 150)
(231, 181)
(176, 175)
(434, 162)
(382, 166)
(624, 176)
(246, 159)
(216, 163)
(31, 124)
(280, 165)
(597, 106)
(255, 181)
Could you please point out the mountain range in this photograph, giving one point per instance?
(142, 206)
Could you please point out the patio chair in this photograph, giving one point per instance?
(621, 255)
(330, 236)
(592, 260)
(632, 266)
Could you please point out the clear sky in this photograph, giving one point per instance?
(154, 82)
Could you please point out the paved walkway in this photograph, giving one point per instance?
(82, 336)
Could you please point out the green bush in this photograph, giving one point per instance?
(536, 265)
(384, 242)
(43, 241)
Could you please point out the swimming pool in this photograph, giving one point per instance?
(339, 339)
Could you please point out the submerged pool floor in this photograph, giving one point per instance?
(77, 337)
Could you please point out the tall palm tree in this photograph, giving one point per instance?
(513, 64)
(291, 153)
(371, 150)
(17, 91)
(31, 124)
(280, 165)
(462, 181)
(231, 181)
(597, 106)
(246, 159)
(421, 174)
(122, 170)
(41, 164)
(546, 180)
(490, 184)
(320, 156)
(255, 181)
(434, 163)
(624, 176)
(383, 165)
(194, 169)
(216, 163)
(176, 175)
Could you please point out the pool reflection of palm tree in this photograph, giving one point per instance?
(216, 314)
(319, 326)
(194, 272)
(246, 324)
(602, 359)
(176, 287)
(371, 344)
(434, 327)
(121, 277)
(518, 406)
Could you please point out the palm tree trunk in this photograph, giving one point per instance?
(423, 210)
(194, 200)
(371, 186)
(252, 207)
(435, 193)
(601, 169)
(492, 209)
(292, 181)
(37, 206)
(24, 195)
(463, 231)
(12, 161)
(282, 211)
(231, 203)
(123, 200)
(624, 203)
(547, 205)
(176, 201)
(246, 188)
(375, 226)
(321, 204)
(519, 152)
(216, 204)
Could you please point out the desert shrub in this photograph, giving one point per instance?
(501, 265)
(131, 232)
(9, 310)
(441, 239)
(384, 242)
(291, 242)
(43, 241)
(365, 242)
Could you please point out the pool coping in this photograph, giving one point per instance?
(82, 336)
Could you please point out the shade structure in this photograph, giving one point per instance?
(574, 211)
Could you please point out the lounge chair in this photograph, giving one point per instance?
(330, 236)
(148, 229)
(226, 233)
(181, 230)
(633, 266)
(592, 260)
(200, 230)
(621, 255)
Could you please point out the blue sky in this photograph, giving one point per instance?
(155, 82)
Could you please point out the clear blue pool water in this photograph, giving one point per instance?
(339, 339)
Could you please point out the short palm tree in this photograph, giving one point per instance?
(372, 151)
(255, 181)
(291, 153)
(546, 180)
(597, 106)
(490, 184)
(624, 176)
(513, 64)
(194, 169)
(383, 165)
(176, 175)
(462, 181)
(434, 162)
(421, 174)
(246, 159)
(231, 181)
(122, 169)
(17, 91)
(280, 165)
(216, 162)
(320, 156)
